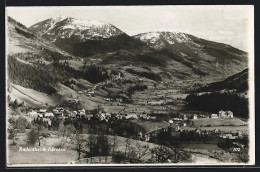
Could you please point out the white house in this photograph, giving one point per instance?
(131, 115)
(42, 111)
(222, 114)
(214, 116)
(32, 113)
(195, 116)
(177, 119)
(49, 114)
(229, 114)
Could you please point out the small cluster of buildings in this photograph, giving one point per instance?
(40, 113)
(88, 92)
(221, 114)
(232, 136)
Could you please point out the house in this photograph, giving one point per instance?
(239, 134)
(177, 119)
(73, 114)
(228, 136)
(32, 113)
(146, 137)
(119, 100)
(102, 116)
(197, 131)
(42, 111)
(225, 114)
(155, 103)
(144, 116)
(108, 115)
(131, 116)
(222, 114)
(40, 115)
(170, 121)
(49, 115)
(216, 131)
(152, 117)
(194, 116)
(89, 116)
(58, 111)
(177, 128)
(229, 114)
(184, 117)
(81, 113)
(214, 116)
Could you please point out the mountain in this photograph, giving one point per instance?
(65, 31)
(238, 81)
(202, 57)
(22, 40)
(159, 40)
(108, 45)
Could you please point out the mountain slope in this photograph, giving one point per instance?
(238, 81)
(65, 32)
(107, 45)
(202, 56)
(22, 40)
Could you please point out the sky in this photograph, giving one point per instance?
(225, 24)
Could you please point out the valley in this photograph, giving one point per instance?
(84, 85)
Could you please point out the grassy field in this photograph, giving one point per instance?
(59, 157)
(30, 96)
(225, 129)
(205, 122)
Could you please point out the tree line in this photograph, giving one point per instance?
(214, 102)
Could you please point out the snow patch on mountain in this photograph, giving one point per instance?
(81, 30)
(162, 38)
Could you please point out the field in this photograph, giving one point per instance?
(58, 157)
(30, 96)
(205, 122)
(225, 129)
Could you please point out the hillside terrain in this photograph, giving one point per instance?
(62, 48)
(238, 82)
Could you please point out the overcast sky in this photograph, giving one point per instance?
(226, 24)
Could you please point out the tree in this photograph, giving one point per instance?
(241, 155)
(32, 137)
(15, 126)
(114, 145)
(37, 129)
(129, 149)
(98, 145)
(178, 153)
(161, 154)
(21, 124)
(142, 151)
(15, 104)
(66, 130)
(12, 129)
(79, 141)
(55, 123)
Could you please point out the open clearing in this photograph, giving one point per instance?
(30, 96)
